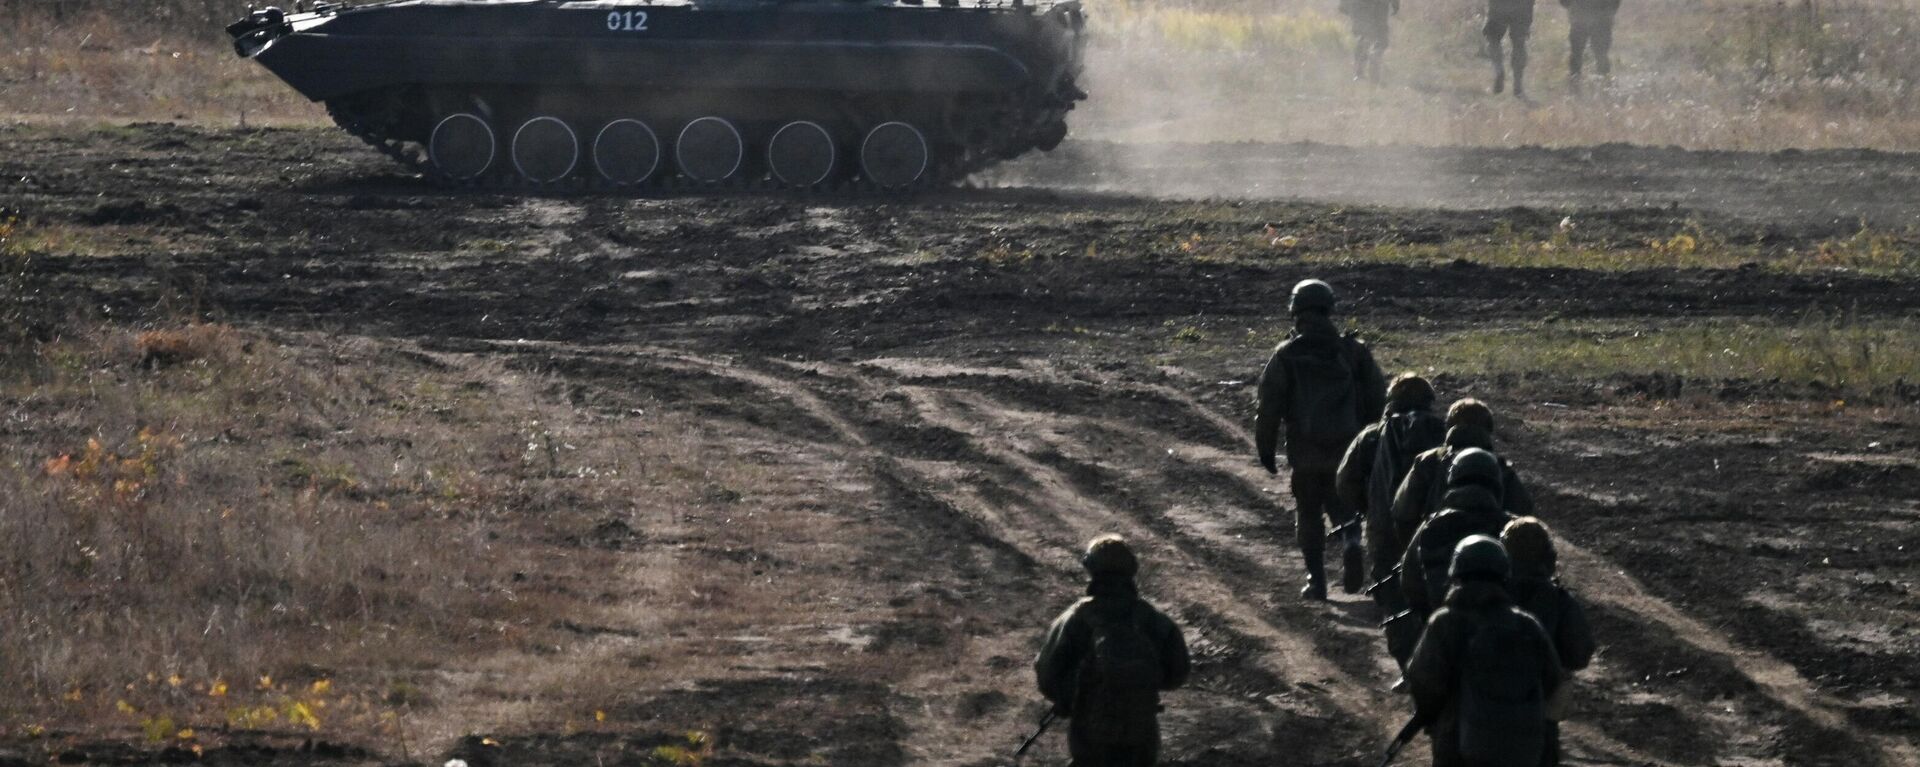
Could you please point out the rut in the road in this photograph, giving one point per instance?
(1037, 461)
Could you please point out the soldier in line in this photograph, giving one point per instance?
(1484, 669)
(1529, 546)
(1325, 387)
(1375, 463)
(1107, 659)
(1370, 35)
(1469, 425)
(1472, 507)
(1513, 20)
(1590, 25)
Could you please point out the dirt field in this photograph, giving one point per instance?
(905, 416)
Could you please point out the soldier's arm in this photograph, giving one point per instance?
(1407, 501)
(1552, 674)
(1059, 659)
(1431, 670)
(1266, 422)
(1356, 467)
(1175, 662)
(1575, 640)
(1373, 386)
(1518, 501)
(1413, 577)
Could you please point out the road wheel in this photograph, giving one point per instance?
(626, 152)
(802, 154)
(545, 150)
(894, 155)
(462, 147)
(709, 150)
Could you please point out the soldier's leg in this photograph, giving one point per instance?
(1493, 32)
(1312, 494)
(1519, 30)
(1603, 45)
(1576, 44)
(1381, 35)
(1361, 43)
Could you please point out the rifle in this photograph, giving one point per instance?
(1028, 743)
(1400, 741)
(1392, 577)
(1341, 529)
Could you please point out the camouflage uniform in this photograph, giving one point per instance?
(1367, 478)
(1370, 34)
(1421, 492)
(1313, 463)
(1112, 596)
(1535, 590)
(1433, 674)
(1470, 510)
(1511, 19)
(1590, 24)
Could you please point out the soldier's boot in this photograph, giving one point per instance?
(1316, 588)
(1373, 66)
(1353, 565)
(1360, 60)
(1519, 84)
(1499, 67)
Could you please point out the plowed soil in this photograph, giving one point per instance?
(944, 396)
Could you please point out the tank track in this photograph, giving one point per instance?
(413, 157)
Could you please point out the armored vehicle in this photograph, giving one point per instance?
(887, 94)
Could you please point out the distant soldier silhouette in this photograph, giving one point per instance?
(1324, 387)
(1107, 659)
(1509, 20)
(1370, 36)
(1589, 25)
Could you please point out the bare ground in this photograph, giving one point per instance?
(917, 410)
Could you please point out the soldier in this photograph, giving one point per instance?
(1529, 546)
(1471, 507)
(1469, 424)
(1511, 19)
(1325, 387)
(1484, 669)
(1590, 23)
(1369, 19)
(1107, 659)
(1375, 463)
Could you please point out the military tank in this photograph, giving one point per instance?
(809, 94)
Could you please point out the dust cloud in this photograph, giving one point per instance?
(1232, 99)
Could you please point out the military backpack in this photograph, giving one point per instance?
(1503, 716)
(1118, 687)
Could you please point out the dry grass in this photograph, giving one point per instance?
(92, 60)
(204, 528)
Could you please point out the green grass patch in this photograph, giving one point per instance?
(1843, 353)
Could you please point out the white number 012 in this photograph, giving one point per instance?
(627, 21)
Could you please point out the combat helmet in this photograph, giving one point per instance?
(1110, 555)
(1479, 556)
(1311, 295)
(1474, 466)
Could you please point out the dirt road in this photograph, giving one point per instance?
(936, 401)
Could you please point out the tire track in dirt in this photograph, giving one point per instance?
(1087, 497)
